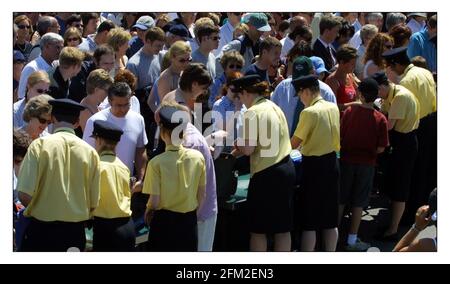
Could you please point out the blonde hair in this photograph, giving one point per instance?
(202, 22)
(37, 77)
(70, 56)
(118, 37)
(241, 27)
(36, 107)
(21, 18)
(98, 78)
(72, 31)
(179, 48)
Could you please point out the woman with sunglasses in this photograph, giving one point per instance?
(373, 60)
(72, 37)
(179, 55)
(37, 84)
(231, 62)
(25, 29)
(37, 115)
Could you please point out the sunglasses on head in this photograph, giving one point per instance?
(42, 91)
(183, 60)
(235, 66)
(44, 120)
(22, 27)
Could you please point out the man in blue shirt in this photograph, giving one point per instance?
(423, 44)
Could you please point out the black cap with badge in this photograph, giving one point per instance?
(106, 130)
(171, 117)
(66, 107)
(381, 78)
(396, 55)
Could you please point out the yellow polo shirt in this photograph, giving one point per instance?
(62, 174)
(266, 125)
(421, 83)
(175, 176)
(115, 193)
(402, 106)
(319, 128)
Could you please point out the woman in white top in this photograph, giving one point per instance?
(373, 60)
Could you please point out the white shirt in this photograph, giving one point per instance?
(133, 135)
(226, 35)
(287, 44)
(356, 41)
(35, 65)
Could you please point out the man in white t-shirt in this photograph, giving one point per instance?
(131, 147)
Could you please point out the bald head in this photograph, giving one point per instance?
(297, 21)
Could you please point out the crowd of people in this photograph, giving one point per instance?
(120, 118)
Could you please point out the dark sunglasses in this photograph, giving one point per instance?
(44, 120)
(185, 60)
(22, 27)
(42, 91)
(235, 66)
(72, 39)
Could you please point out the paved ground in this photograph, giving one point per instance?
(376, 217)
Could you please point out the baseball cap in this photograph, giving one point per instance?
(302, 66)
(144, 23)
(319, 65)
(259, 21)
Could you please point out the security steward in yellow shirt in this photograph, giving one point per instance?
(318, 134)
(113, 227)
(175, 181)
(59, 184)
(266, 141)
(421, 83)
(403, 112)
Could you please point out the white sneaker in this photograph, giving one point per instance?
(358, 246)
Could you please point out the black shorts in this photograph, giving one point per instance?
(173, 231)
(356, 184)
(269, 199)
(401, 164)
(319, 192)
